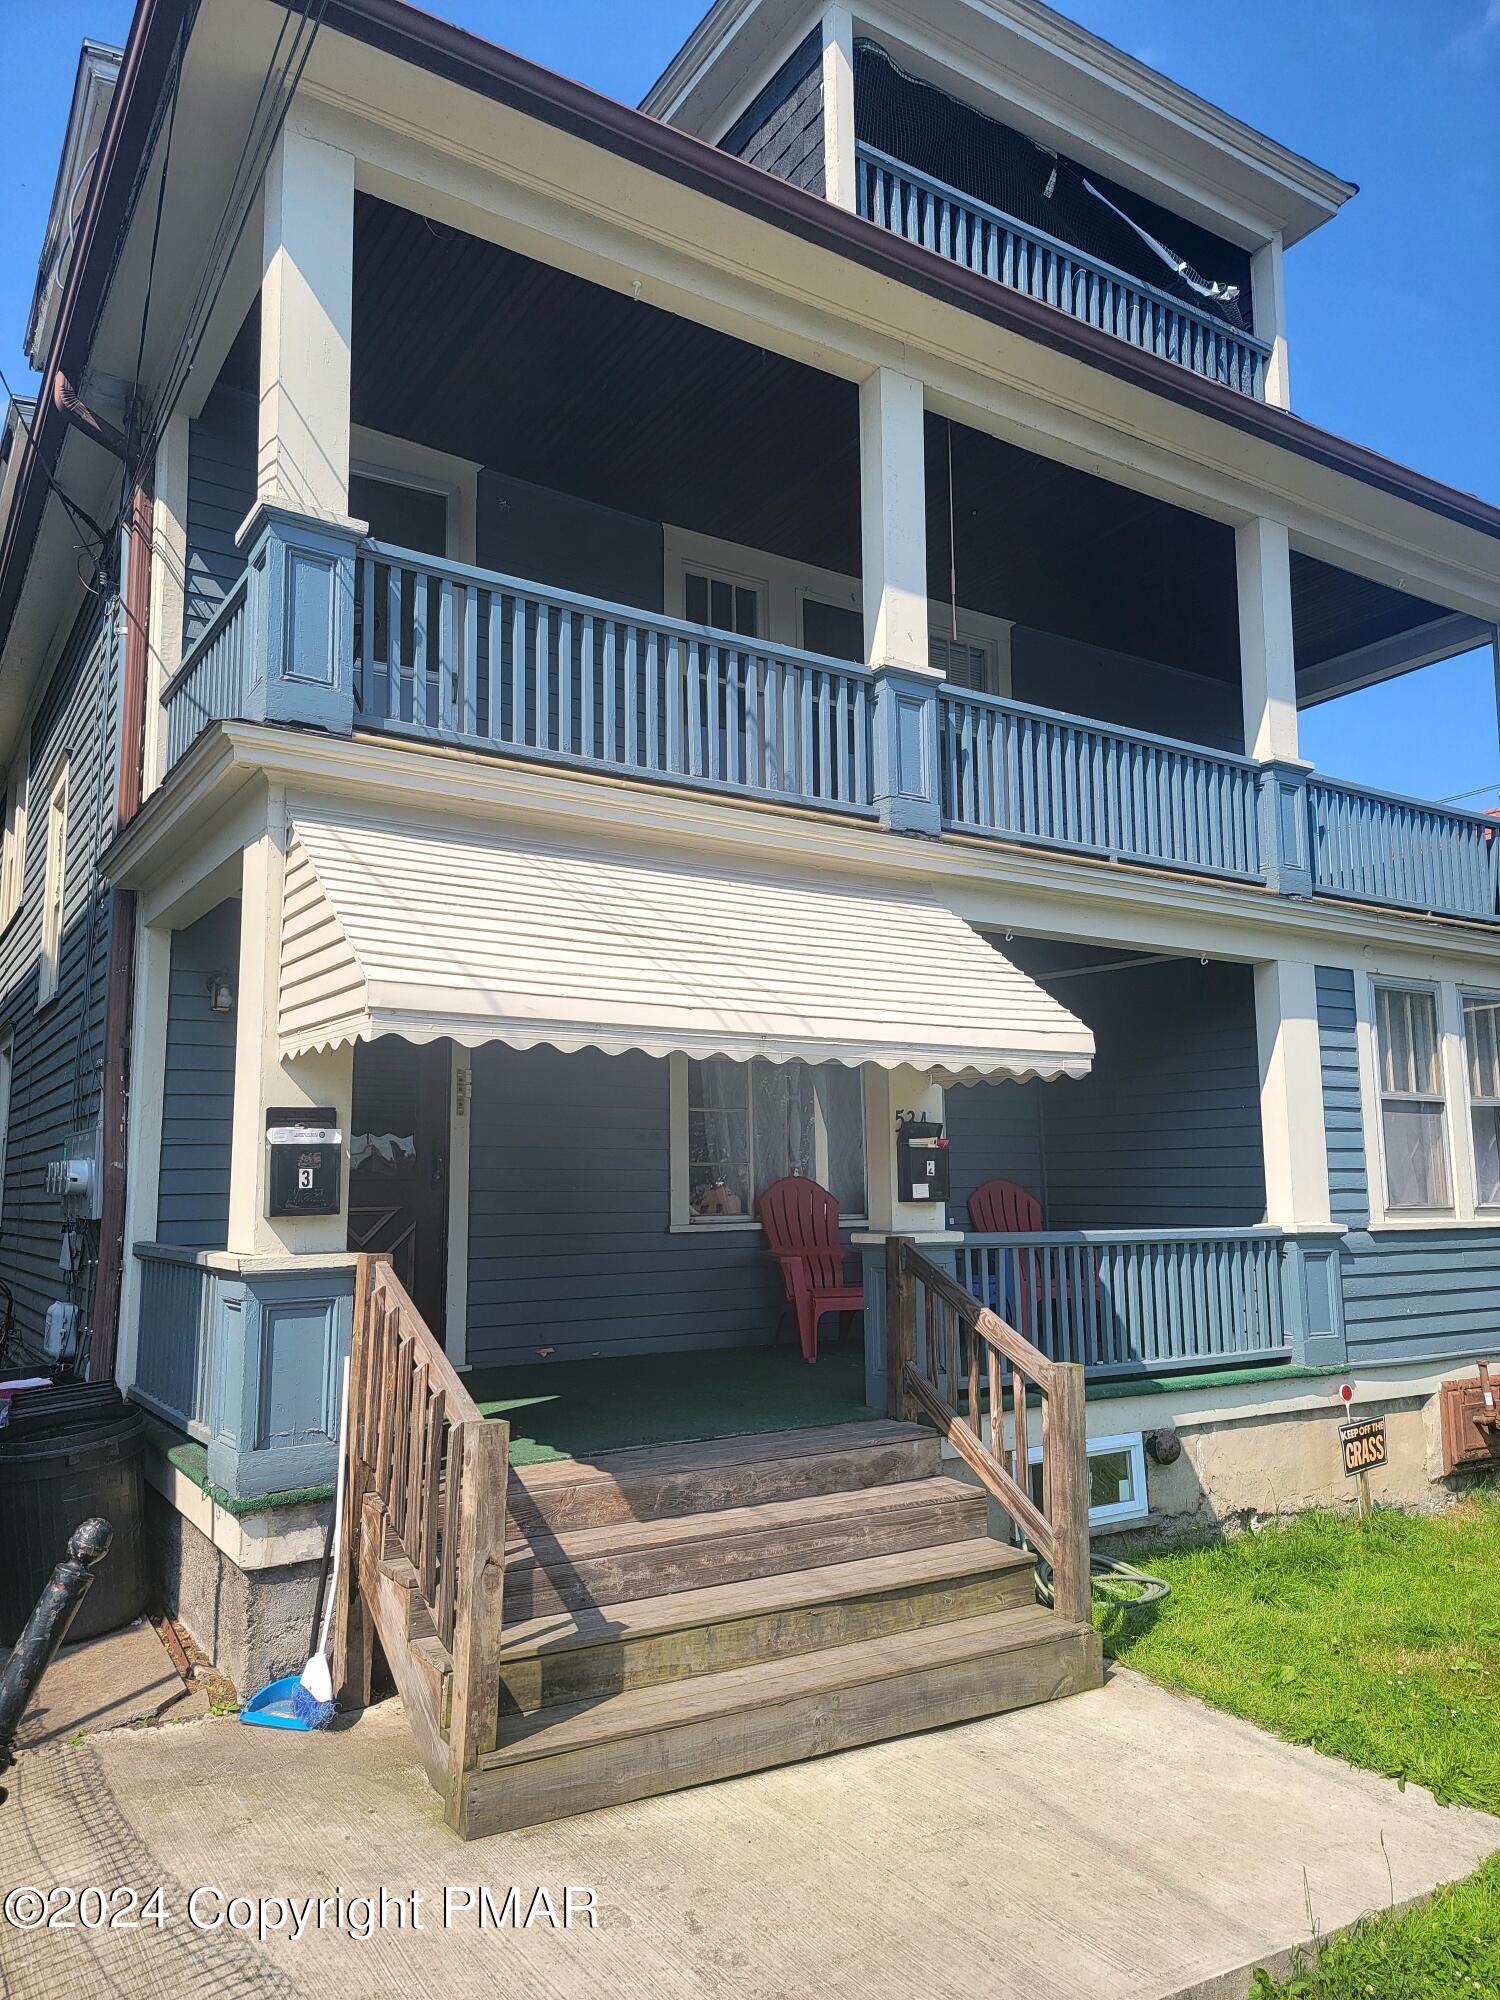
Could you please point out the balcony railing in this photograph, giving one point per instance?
(472, 657)
(1375, 848)
(209, 686)
(1035, 775)
(1140, 1302)
(1025, 259)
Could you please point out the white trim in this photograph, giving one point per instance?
(840, 184)
(682, 1220)
(1132, 1444)
(13, 833)
(148, 1064)
(460, 1125)
(1484, 1212)
(1459, 1207)
(54, 888)
(164, 623)
(400, 462)
(7, 1077)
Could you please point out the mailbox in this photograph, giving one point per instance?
(306, 1152)
(921, 1160)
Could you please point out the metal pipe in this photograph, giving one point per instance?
(47, 1627)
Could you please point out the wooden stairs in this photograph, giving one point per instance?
(580, 1634)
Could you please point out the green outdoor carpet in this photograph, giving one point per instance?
(575, 1409)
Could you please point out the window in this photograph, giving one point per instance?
(1482, 1062)
(13, 840)
(7, 1050)
(730, 603)
(1409, 1077)
(749, 1124)
(965, 663)
(1117, 1479)
(54, 888)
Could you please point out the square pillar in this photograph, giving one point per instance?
(168, 586)
(306, 315)
(1293, 1134)
(1268, 305)
(1268, 670)
(840, 168)
(889, 1094)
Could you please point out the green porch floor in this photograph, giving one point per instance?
(575, 1409)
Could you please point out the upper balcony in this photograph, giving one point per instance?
(620, 542)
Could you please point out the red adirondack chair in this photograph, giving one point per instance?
(801, 1221)
(1002, 1208)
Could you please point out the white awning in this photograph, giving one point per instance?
(484, 935)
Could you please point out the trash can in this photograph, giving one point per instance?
(70, 1451)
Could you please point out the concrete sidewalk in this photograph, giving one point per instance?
(1125, 1845)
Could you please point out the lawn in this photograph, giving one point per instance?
(1378, 1643)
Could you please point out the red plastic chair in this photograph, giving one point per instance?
(1003, 1208)
(801, 1221)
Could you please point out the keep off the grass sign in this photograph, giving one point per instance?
(1363, 1446)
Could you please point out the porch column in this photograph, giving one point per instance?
(1268, 678)
(889, 1094)
(1268, 305)
(263, 1080)
(168, 585)
(840, 183)
(306, 313)
(1293, 1134)
(148, 1060)
(893, 494)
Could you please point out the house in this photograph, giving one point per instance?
(564, 663)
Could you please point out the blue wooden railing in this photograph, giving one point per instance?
(1025, 259)
(209, 686)
(1139, 1301)
(473, 657)
(1376, 848)
(1033, 774)
(174, 1347)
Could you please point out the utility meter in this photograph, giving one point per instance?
(921, 1160)
(306, 1155)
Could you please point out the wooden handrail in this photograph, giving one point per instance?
(925, 1378)
(426, 1467)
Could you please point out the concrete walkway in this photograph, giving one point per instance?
(1125, 1843)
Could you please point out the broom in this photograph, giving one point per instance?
(312, 1697)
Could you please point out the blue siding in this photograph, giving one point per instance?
(781, 129)
(58, 1049)
(221, 492)
(198, 1098)
(1421, 1294)
(550, 537)
(1343, 1115)
(569, 1251)
(994, 1133)
(1095, 681)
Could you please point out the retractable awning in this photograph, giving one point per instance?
(486, 935)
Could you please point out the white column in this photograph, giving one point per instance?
(168, 584)
(1293, 1134)
(148, 1061)
(306, 310)
(1268, 304)
(839, 167)
(1268, 668)
(889, 1095)
(893, 504)
(262, 1080)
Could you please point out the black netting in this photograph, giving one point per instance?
(925, 128)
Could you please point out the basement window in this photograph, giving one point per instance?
(1117, 1479)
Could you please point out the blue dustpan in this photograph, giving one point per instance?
(272, 1707)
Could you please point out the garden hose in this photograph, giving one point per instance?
(1114, 1582)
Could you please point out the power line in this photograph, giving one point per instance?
(85, 522)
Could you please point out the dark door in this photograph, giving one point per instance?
(398, 1164)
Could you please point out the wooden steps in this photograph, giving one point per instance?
(692, 1612)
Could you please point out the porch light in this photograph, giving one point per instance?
(220, 993)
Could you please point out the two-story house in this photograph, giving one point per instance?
(564, 664)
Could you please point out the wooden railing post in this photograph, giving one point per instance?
(483, 1467)
(353, 1629)
(900, 1330)
(1066, 1500)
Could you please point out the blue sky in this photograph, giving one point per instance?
(1394, 307)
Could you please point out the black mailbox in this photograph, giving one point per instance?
(921, 1160)
(306, 1151)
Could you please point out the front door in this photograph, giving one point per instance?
(398, 1164)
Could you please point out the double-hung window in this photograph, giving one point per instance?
(749, 1124)
(54, 889)
(731, 603)
(1409, 1078)
(1482, 1065)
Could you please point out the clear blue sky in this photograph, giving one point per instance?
(1395, 306)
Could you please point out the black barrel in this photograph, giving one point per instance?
(70, 1452)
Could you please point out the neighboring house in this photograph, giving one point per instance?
(640, 648)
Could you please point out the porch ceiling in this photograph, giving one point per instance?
(439, 929)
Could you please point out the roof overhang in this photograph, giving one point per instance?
(1042, 74)
(93, 89)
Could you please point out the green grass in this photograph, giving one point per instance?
(1376, 1642)
(1449, 1949)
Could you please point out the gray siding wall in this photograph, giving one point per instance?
(1165, 1134)
(550, 537)
(569, 1202)
(198, 1095)
(1095, 681)
(58, 1049)
(1421, 1294)
(221, 492)
(1343, 1116)
(781, 130)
